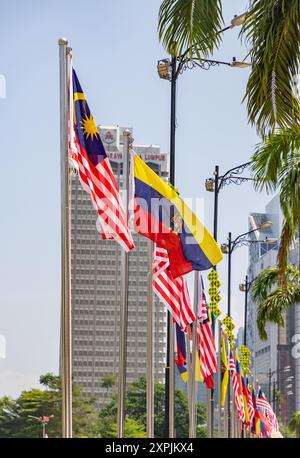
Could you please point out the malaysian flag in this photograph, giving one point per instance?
(248, 403)
(237, 386)
(248, 399)
(173, 292)
(262, 402)
(206, 341)
(88, 156)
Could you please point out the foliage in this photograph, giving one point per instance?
(272, 32)
(108, 381)
(132, 428)
(186, 24)
(135, 405)
(272, 303)
(294, 423)
(276, 166)
(14, 420)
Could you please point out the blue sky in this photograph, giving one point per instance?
(115, 49)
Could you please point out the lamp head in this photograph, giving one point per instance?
(238, 64)
(271, 240)
(164, 69)
(265, 225)
(242, 287)
(224, 248)
(238, 19)
(209, 185)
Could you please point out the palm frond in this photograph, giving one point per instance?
(271, 154)
(263, 284)
(274, 307)
(289, 183)
(272, 31)
(186, 24)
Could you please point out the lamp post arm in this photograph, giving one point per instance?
(234, 171)
(239, 237)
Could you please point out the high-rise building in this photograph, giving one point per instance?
(96, 286)
(274, 361)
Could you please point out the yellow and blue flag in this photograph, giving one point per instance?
(224, 371)
(162, 216)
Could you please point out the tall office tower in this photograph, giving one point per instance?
(275, 361)
(96, 286)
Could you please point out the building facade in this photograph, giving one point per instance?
(95, 287)
(274, 362)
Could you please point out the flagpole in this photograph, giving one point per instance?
(150, 374)
(188, 361)
(66, 317)
(225, 416)
(171, 378)
(192, 422)
(219, 375)
(124, 296)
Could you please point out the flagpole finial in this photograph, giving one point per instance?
(62, 41)
(127, 133)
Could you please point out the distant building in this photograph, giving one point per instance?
(96, 286)
(239, 341)
(273, 359)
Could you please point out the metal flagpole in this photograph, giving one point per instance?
(225, 416)
(209, 412)
(66, 317)
(150, 375)
(171, 379)
(188, 360)
(219, 375)
(124, 296)
(169, 373)
(234, 420)
(192, 374)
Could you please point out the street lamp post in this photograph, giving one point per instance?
(245, 287)
(228, 249)
(170, 70)
(232, 176)
(43, 421)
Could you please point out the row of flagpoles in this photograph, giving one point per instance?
(195, 326)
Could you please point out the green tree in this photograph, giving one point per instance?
(108, 382)
(135, 403)
(14, 414)
(294, 423)
(187, 24)
(132, 429)
(276, 167)
(272, 34)
(273, 300)
(271, 31)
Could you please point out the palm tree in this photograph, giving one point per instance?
(187, 25)
(271, 31)
(273, 303)
(294, 423)
(276, 166)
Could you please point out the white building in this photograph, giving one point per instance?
(273, 358)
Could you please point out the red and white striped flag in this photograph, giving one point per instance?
(237, 388)
(261, 401)
(206, 342)
(173, 292)
(88, 156)
(250, 405)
